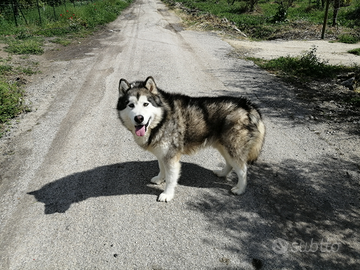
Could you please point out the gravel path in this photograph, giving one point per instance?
(75, 189)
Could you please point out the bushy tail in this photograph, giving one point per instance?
(258, 137)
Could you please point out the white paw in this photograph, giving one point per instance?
(220, 173)
(157, 180)
(238, 191)
(163, 197)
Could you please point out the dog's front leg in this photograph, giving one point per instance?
(172, 173)
(160, 178)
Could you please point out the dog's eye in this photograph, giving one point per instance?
(131, 105)
(146, 104)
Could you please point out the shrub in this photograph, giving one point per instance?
(355, 51)
(348, 38)
(307, 65)
(10, 101)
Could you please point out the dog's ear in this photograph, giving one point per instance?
(123, 86)
(151, 85)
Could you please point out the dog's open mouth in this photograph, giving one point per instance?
(140, 130)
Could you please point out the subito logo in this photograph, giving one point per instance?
(280, 246)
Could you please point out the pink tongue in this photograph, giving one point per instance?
(140, 130)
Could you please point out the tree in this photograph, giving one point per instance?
(335, 13)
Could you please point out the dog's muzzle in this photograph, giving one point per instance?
(140, 130)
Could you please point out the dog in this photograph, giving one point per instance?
(170, 125)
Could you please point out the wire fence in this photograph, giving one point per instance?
(25, 12)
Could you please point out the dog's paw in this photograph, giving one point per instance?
(220, 173)
(157, 180)
(238, 191)
(163, 197)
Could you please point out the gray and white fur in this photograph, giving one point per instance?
(170, 125)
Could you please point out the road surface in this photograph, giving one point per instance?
(75, 189)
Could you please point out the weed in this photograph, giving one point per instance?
(349, 39)
(11, 101)
(27, 46)
(306, 65)
(5, 69)
(355, 51)
(27, 71)
(355, 101)
(61, 41)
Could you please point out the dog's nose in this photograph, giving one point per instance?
(139, 119)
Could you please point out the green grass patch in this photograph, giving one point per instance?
(349, 39)
(307, 65)
(355, 51)
(5, 69)
(27, 46)
(61, 41)
(11, 101)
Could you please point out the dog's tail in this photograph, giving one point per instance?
(258, 136)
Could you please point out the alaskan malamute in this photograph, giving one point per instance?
(169, 125)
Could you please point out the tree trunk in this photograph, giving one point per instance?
(336, 10)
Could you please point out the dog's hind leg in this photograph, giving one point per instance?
(160, 178)
(172, 174)
(239, 167)
(241, 170)
(227, 169)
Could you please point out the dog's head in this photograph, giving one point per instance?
(139, 105)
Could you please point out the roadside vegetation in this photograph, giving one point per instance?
(308, 65)
(27, 24)
(308, 68)
(288, 19)
(315, 80)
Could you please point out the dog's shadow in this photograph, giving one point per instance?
(114, 180)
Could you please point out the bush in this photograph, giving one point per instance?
(355, 51)
(349, 39)
(10, 101)
(307, 65)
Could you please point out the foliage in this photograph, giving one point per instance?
(268, 17)
(280, 15)
(27, 46)
(355, 51)
(349, 39)
(11, 101)
(306, 65)
(59, 17)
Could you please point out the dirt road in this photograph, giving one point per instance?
(75, 190)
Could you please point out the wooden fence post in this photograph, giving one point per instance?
(325, 18)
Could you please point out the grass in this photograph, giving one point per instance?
(269, 19)
(61, 41)
(27, 46)
(355, 51)
(308, 65)
(78, 19)
(11, 102)
(348, 38)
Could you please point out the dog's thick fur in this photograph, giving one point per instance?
(169, 125)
